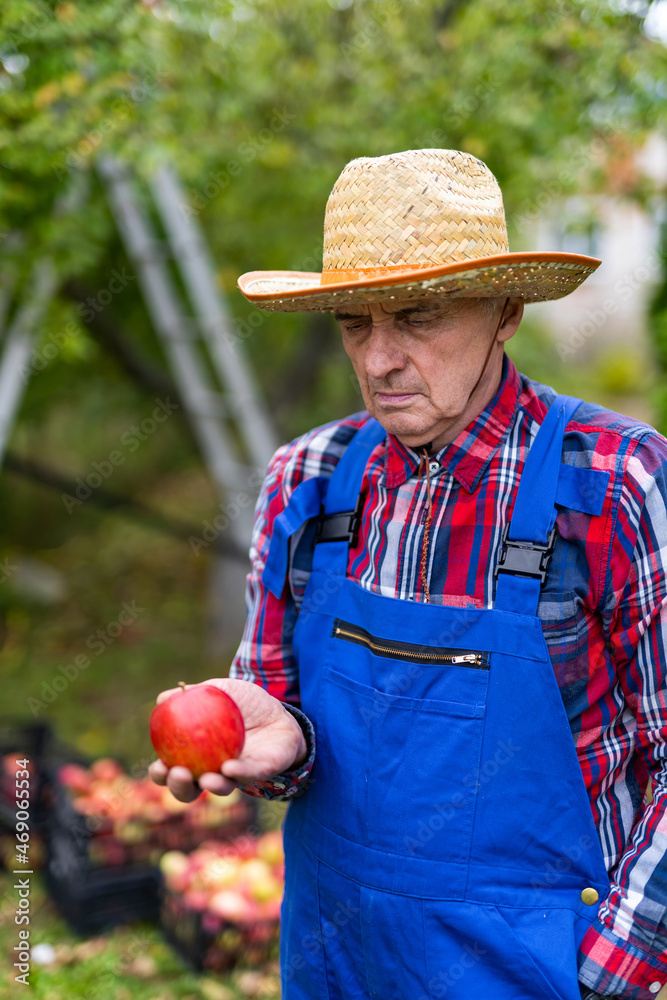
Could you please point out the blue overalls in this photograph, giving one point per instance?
(445, 846)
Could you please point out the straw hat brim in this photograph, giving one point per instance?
(534, 277)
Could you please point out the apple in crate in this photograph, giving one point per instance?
(270, 910)
(198, 727)
(270, 848)
(75, 778)
(219, 873)
(131, 831)
(175, 867)
(232, 906)
(258, 882)
(106, 770)
(196, 899)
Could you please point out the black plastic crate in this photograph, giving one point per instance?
(91, 886)
(95, 839)
(36, 741)
(25, 736)
(94, 900)
(22, 739)
(91, 899)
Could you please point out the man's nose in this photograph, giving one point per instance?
(383, 352)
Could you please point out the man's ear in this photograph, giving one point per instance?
(511, 319)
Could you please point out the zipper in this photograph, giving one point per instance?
(407, 650)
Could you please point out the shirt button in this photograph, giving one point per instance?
(654, 987)
(589, 896)
(434, 467)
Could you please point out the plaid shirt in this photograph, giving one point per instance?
(603, 612)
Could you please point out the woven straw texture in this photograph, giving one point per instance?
(388, 218)
(419, 208)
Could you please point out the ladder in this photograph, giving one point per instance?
(18, 342)
(208, 365)
(18, 339)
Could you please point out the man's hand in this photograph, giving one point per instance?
(274, 743)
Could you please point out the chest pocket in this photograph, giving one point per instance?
(567, 625)
(568, 630)
(417, 714)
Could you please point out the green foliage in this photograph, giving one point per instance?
(620, 372)
(259, 103)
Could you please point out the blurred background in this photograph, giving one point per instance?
(153, 150)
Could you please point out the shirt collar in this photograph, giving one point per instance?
(468, 454)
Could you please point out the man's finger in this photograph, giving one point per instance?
(181, 784)
(218, 784)
(245, 769)
(158, 772)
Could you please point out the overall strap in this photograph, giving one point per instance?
(331, 498)
(529, 538)
(345, 482)
(342, 513)
(306, 502)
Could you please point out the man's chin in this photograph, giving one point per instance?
(409, 428)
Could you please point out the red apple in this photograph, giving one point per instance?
(105, 800)
(218, 848)
(131, 831)
(257, 881)
(84, 805)
(153, 812)
(220, 874)
(105, 769)
(9, 764)
(270, 910)
(270, 847)
(74, 777)
(198, 728)
(175, 867)
(231, 906)
(195, 899)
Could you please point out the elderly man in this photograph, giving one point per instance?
(456, 623)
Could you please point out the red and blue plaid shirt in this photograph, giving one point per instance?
(604, 617)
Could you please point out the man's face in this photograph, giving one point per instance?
(418, 361)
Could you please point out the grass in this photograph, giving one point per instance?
(127, 963)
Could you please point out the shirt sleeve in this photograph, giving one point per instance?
(265, 655)
(624, 953)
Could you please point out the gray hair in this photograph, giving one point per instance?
(492, 305)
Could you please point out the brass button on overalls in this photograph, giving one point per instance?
(589, 896)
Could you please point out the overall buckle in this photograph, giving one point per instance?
(525, 558)
(342, 527)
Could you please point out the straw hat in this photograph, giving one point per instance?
(421, 222)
